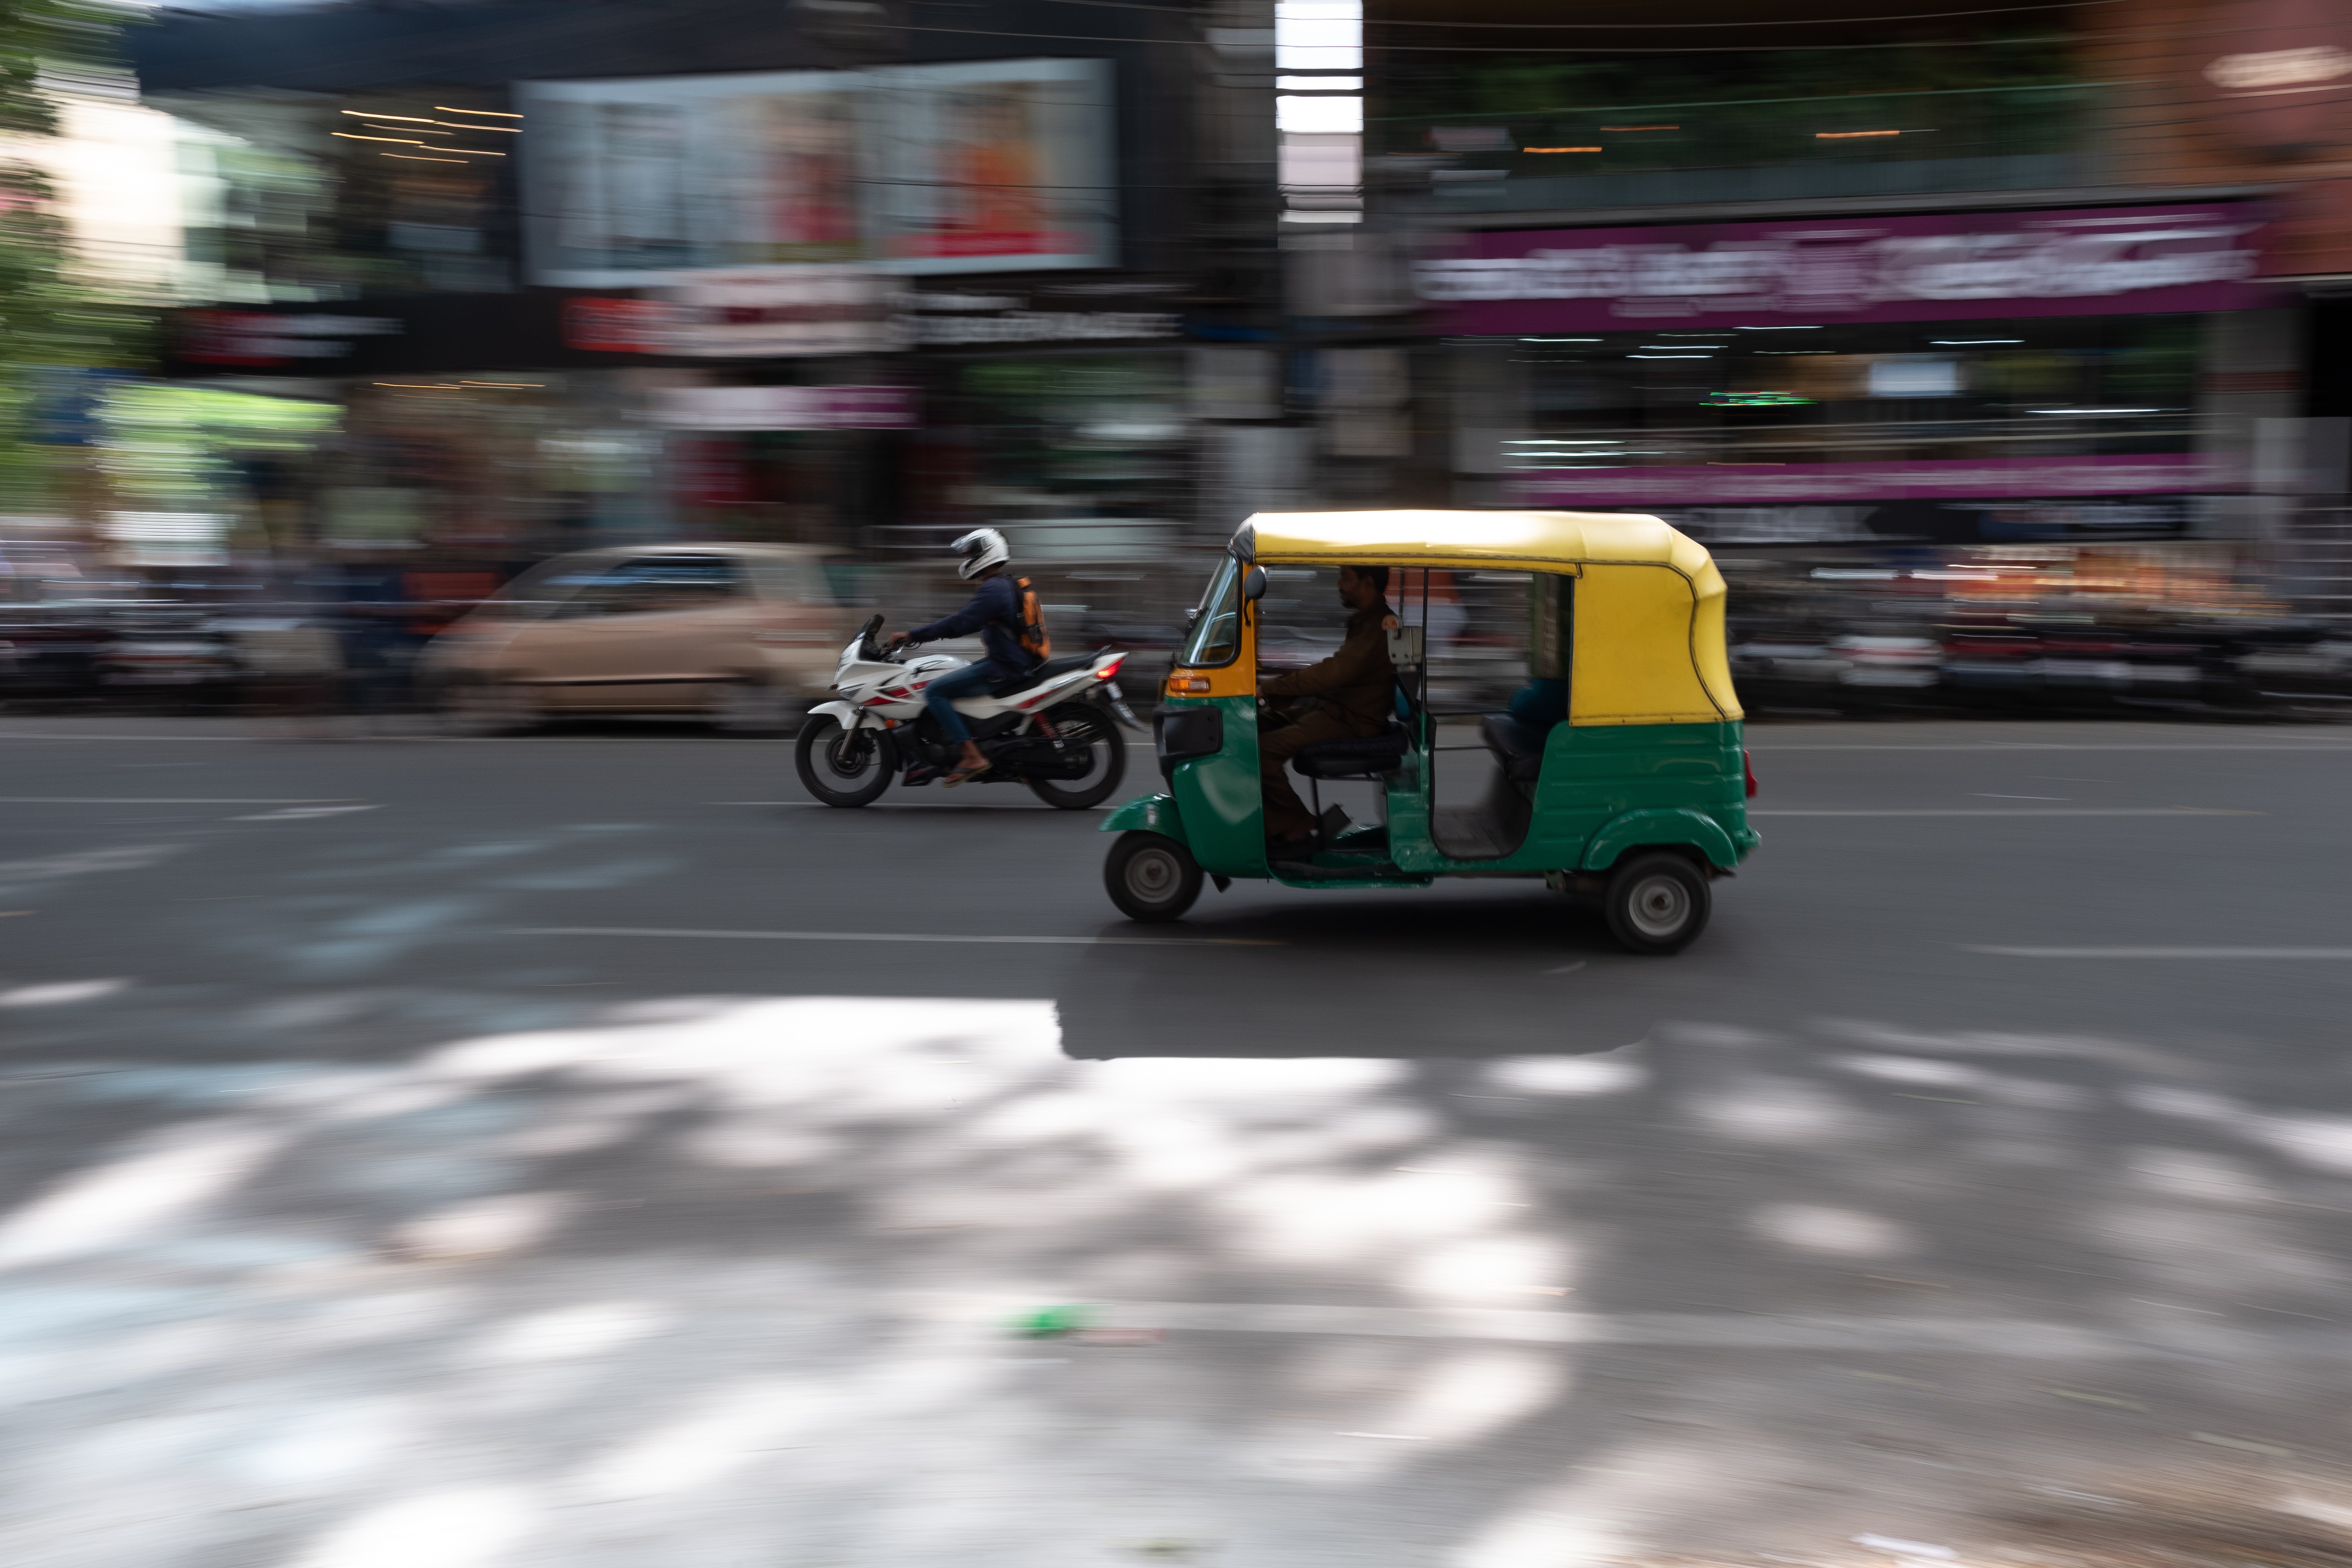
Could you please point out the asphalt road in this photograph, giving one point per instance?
(582, 1148)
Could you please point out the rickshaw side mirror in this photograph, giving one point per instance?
(1253, 585)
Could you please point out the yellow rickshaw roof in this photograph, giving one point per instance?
(1528, 541)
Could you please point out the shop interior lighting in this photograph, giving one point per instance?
(1679, 348)
(501, 113)
(503, 130)
(1806, 329)
(1281, 84)
(403, 141)
(1850, 136)
(1669, 356)
(416, 158)
(1560, 339)
(1967, 342)
(471, 152)
(420, 385)
(2095, 411)
(1756, 399)
(1559, 148)
(1319, 35)
(490, 384)
(1336, 116)
(1796, 350)
(373, 114)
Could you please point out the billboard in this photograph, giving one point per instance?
(997, 166)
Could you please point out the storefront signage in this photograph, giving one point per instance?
(2185, 473)
(1045, 327)
(787, 408)
(260, 339)
(1941, 267)
(986, 166)
(823, 311)
(2282, 79)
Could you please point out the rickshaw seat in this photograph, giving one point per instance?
(1353, 757)
(1518, 748)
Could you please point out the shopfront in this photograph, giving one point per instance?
(1059, 414)
(1999, 376)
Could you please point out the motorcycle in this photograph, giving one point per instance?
(1047, 728)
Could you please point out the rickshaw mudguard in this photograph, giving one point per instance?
(1149, 814)
(1668, 824)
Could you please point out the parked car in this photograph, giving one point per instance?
(746, 632)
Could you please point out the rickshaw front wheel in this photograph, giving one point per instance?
(1150, 877)
(1657, 903)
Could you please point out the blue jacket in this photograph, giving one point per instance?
(995, 613)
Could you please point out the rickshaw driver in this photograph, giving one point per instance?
(1348, 696)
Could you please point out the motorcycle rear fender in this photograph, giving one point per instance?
(1149, 814)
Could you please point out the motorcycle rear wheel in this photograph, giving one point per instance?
(1084, 723)
(842, 770)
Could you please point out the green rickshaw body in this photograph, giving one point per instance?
(1627, 610)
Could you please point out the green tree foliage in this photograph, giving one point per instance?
(49, 321)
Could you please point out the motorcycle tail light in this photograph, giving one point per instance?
(1107, 671)
(1747, 766)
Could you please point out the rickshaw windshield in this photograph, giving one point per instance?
(1216, 634)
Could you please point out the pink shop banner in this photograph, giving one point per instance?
(1944, 266)
(1944, 479)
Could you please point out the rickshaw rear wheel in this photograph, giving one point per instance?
(1150, 877)
(1657, 903)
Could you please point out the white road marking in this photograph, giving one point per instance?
(2252, 952)
(303, 813)
(2026, 811)
(52, 735)
(169, 800)
(899, 936)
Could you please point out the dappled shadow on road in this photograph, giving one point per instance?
(725, 1280)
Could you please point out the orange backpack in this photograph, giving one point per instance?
(1029, 629)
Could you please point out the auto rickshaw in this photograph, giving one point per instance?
(1639, 796)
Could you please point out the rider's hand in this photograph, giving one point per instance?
(897, 642)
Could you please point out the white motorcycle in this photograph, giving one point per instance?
(1047, 729)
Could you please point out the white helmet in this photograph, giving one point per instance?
(981, 549)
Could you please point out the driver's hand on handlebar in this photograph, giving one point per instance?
(898, 641)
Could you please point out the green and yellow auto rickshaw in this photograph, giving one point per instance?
(1638, 795)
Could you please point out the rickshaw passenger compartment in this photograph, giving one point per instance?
(1518, 748)
(1498, 825)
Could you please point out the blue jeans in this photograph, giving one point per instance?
(971, 680)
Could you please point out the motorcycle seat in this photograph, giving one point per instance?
(1045, 671)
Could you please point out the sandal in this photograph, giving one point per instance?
(963, 775)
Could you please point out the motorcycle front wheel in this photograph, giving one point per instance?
(1084, 724)
(843, 768)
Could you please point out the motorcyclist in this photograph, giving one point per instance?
(995, 612)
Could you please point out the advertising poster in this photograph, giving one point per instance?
(994, 166)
